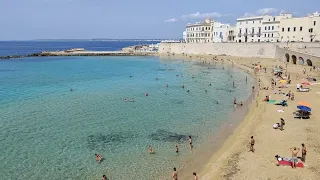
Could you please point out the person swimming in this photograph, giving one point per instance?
(182, 86)
(188, 90)
(205, 90)
(98, 158)
(147, 94)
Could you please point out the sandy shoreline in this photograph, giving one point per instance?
(233, 161)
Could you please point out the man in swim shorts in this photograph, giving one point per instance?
(252, 141)
(175, 174)
(295, 152)
(304, 153)
(195, 177)
(190, 142)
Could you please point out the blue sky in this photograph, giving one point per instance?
(74, 19)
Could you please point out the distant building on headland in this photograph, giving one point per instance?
(141, 48)
(266, 28)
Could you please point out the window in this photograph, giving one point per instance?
(265, 35)
(253, 22)
(314, 23)
(282, 29)
(265, 28)
(258, 40)
(274, 19)
(268, 35)
(288, 29)
(294, 28)
(269, 19)
(301, 28)
(272, 35)
(269, 28)
(272, 27)
(311, 30)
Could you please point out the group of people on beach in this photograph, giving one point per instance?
(290, 95)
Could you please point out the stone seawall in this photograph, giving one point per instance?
(258, 50)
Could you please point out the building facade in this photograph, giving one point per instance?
(184, 36)
(249, 29)
(301, 29)
(259, 28)
(271, 27)
(220, 32)
(200, 32)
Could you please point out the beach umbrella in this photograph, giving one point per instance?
(305, 83)
(303, 103)
(282, 81)
(304, 108)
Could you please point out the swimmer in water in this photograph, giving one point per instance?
(98, 158)
(104, 177)
(205, 90)
(167, 85)
(147, 94)
(177, 149)
(71, 89)
(132, 99)
(188, 91)
(182, 86)
(126, 100)
(209, 84)
(130, 76)
(150, 149)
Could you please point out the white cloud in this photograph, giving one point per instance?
(265, 11)
(199, 15)
(171, 20)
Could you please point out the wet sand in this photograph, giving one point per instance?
(233, 161)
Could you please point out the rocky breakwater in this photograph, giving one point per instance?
(80, 53)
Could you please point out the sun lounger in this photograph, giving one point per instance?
(303, 90)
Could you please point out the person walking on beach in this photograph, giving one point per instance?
(190, 142)
(195, 177)
(295, 152)
(252, 141)
(177, 149)
(282, 123)
(304, 152)
(175, 174)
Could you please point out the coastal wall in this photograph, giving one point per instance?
(258, 50)
(297, 57)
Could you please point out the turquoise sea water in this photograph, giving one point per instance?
(50, 132)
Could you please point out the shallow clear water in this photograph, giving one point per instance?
(50, 132)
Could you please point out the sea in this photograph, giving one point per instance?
(56, 113)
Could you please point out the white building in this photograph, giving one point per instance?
(249, 29)
(271, 27)
(232, 34)
(184, 36)
(259, 28)
(301, 29)
(220, 32)
(199, 32)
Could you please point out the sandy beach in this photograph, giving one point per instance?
(233, 161)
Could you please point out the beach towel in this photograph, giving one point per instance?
(280, 110)
(288, 163)
(271, 101)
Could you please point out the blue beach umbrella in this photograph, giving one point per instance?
(304, 108)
